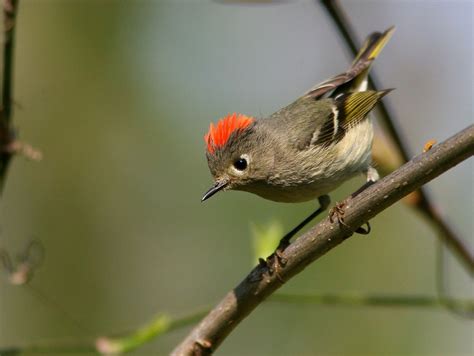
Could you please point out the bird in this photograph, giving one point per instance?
(308, 148)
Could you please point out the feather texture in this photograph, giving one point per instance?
(307, 148)
(354, 77)
(219, 134)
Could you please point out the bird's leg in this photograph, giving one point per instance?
(337, 213)
(277, 256)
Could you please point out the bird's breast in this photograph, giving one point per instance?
(307, 174)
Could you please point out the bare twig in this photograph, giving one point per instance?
(21, 270)
(370, 300)
(164, 324)
(7, 136)
(158, 326)
(423, 204)
(51, 348)
(260, 284)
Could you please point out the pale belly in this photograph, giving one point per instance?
(296, 194)
(350, 157)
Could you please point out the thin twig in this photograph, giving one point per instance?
(7, 136)
(260, 283)
(50, 348)
(164, 324)
(424, 203)
(369, 300)
(441, 288)
(158, 326)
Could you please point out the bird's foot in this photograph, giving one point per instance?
(279, 258)
(337, 214)
(273, 265)
(276, 261)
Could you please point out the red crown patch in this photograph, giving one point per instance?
(220, 133)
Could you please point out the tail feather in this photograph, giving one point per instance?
(355, 78)
(373, 45)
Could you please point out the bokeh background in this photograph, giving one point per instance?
(118, 96)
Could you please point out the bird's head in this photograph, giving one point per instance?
(236, 154)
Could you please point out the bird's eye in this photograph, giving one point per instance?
(240, 164)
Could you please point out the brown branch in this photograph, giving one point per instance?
(259, 284)
(424, 204)
(7, 136)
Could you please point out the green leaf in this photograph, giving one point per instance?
(265, 239)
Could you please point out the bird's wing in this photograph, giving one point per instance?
(301, 121)
(308, 122)
(349, 110)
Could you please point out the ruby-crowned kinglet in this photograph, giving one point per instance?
(306, 149)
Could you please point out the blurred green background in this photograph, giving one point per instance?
(118, 96)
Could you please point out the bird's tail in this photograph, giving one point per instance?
(355, 78)
(373, 45)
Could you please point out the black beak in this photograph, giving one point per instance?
(214, 189)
